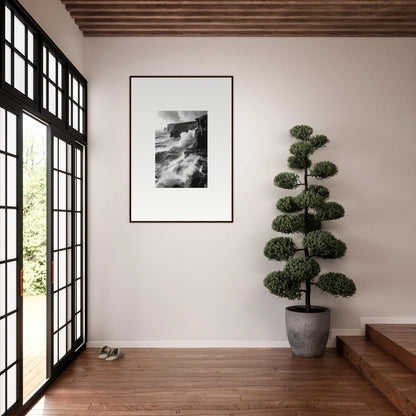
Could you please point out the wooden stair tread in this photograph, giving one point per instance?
(398, 340)
(391, 377)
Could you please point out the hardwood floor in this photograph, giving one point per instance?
(212, 382)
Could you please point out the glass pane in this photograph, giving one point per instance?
(11, 233)
(11, 386)
(62, 155)
(81, 95)
(11, 133)
(3, 350)
(55, 348)
(78, 232)
(2, 294)
(75, 90)
(2, 129)
(59, 75)
(68, 200)
(44, 93)
(69, 113)
(44, 55)
(69, 160)
(62, 230)
(62, 342)
(78, 185)
(74, 116)
(62, 190)
(30, 81)
(11, 286)
(2, 234)
(55, 311)
(8, 66)
(78, 294)
(52, 99)
(68, 335)
(19, 73)
(62, 307)
(8, 25)
(78, 326)
(78, 162)
(55, 231)
(55, 189)
(55, 152)
(81, 121)
(19, 36)
(69, 233)
(2, 181)
(11, 181)
(78, 274)
(62, 269)
(52, 68)
(70, 86)
(30, 43)
(11, 339)
(69, 267)
(60, 104)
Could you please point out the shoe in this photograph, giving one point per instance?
(114, 354)
(104, 352)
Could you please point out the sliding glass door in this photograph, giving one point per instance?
(10, 261)
(68, 248)
(43, 125)
(42, 256)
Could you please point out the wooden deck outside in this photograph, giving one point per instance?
(212, 382)
(34, 344)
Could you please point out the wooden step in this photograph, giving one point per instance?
(398, 340)
(391, 377)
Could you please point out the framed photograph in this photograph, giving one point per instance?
(181, 149)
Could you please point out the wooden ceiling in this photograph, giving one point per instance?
(244, 17)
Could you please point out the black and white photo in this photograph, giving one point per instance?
(181, 142)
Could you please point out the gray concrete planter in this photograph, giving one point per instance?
(307, 332)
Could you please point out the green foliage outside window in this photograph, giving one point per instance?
(34, 215)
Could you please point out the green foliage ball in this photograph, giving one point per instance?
(318, 141)
(336, 284)
(301, 149)
(287, 204)
(280, 248)
(330, 211)
(279, 285)
(309, 199)
(287, 223)
(286, 180)
(324, 244)
(320, 190)
(323, 170)
(295, 223)
(302, 268)
(298, 163)
(301, 132)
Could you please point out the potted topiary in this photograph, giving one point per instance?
(307, 326)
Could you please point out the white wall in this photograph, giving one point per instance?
(201, 284)
(54, 19)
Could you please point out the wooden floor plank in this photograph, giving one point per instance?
(212, 382)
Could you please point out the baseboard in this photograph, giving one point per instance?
(253, 344)
(190, 344)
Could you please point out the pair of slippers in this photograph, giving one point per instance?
(110, 354)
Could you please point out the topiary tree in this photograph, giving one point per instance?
(304, 214)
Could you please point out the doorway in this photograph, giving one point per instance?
(34, 287)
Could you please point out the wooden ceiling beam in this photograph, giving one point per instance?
(244, 17)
